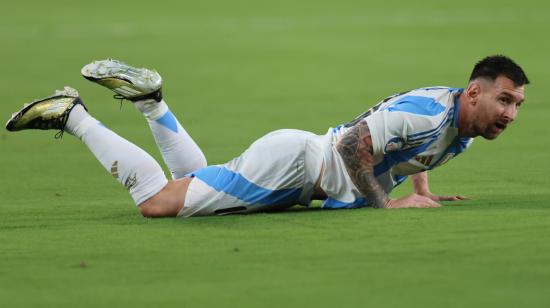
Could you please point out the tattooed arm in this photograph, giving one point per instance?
(356, 150)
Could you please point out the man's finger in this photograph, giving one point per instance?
(451, 198)
(430, 203)
(459, 198)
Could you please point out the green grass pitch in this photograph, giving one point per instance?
(234, 70)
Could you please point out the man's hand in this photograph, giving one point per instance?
(442, 198)
(411, 201)
(420, 186)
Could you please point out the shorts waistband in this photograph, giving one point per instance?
(313, 162)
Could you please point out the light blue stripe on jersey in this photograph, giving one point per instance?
(431, 132)
(234, 184)
(330, 203)
(337, 128)
(421, 105)
(393, 158)
(398, 179)
(452, 115)
(456, 147)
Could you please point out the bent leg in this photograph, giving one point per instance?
(143, 86)
(180, 152)
(128, 164)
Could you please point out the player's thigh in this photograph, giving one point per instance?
(204, 200)
(274, 161)
(269, 175)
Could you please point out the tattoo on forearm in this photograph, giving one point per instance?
(355, 148)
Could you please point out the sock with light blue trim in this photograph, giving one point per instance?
(180, 152)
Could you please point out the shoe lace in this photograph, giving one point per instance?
(65, 117)
(120, 98)
(156, 95)
(63, 121)
(59, 134)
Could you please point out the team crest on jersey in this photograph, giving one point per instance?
(394, 144)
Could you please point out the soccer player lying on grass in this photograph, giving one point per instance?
(353, 165)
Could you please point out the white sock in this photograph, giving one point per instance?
(181, 154)
(130, 165)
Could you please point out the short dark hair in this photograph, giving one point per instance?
(493, 66)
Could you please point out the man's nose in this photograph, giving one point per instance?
(511, 113)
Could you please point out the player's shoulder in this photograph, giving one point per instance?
(422, 111)
(437, 91)
(437, 94)
(433, 102)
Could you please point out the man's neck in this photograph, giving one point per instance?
(463, 126)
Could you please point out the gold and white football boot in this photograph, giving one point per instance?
(51, 112)
(128, 82)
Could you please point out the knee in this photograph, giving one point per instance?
(167, 202)
(150, 209)
(158, 206)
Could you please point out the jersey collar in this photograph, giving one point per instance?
(456, 92)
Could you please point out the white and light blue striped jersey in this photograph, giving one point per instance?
(411, 132)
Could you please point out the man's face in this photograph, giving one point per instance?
(497, 105)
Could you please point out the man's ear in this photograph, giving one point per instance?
(473, 91)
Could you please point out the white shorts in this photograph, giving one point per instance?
(277, 171)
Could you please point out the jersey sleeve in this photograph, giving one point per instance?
(407, 124)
